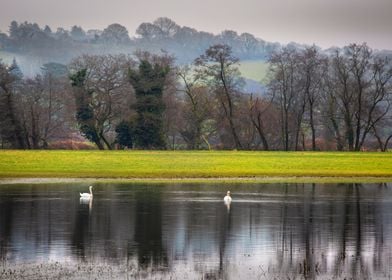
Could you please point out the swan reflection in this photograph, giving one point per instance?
(87, 201)
(227, 199)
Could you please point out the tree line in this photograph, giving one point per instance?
(34, 45)
(315, 100)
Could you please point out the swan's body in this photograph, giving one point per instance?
(87, 195)
(227, 198)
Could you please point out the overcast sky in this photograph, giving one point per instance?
(323, 22)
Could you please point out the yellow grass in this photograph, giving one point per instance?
(194, 165)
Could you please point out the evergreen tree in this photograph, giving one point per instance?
(124, 134)
(13, 29)
(14, 69)
(148, 82)
(84, 113)
(11, 130)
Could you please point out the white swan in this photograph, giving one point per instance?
(227, 199)
(87, 195)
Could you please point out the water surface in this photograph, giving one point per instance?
(128, 231)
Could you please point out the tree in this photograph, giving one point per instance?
(84, 114)
(196, 111)
(56, 107)
(148, 81)
(219, 68)
(249, 44)
(167, 27)
(360, 84)
(312, 68)
(378, 98)
(148, 31)
(33, 113)
(11, 130)
(48, 30)
(257, 110)
(13, 29)
(77, 33)
(102, 95)
(284, 88)
(359, 60)
(15, 70)
(124, 134)
(115, 34)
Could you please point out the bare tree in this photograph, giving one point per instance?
(360, 83)
(257, 110)
(377, 100)
(283, 85)
(312, 67)
(341, 87)
(196, 109)
(359, 60)
(219, 69)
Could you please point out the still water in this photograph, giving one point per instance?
(130, 231)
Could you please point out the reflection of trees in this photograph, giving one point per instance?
(357, 260)
(6, 217)
(345, 214)
(308, 267)
(225, 227)
(80, 234)
(296, 230)
(148, 234)
(343, 235)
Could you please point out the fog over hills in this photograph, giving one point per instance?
(33, 45)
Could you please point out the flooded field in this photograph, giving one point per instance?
(130, 231)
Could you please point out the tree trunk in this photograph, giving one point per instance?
(105, 141)
(338, 137)
(18, 136)
(313, 129)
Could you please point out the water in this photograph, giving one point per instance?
(129, 231)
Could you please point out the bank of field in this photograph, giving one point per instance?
(187, 164)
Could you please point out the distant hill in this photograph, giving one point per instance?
(32, 45)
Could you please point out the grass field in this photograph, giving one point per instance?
(254, 70)
(197, 164)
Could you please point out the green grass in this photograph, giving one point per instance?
(254, 69)
(202, 165)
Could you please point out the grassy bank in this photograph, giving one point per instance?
(161, 165)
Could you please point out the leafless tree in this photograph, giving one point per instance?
(312, 68)
(284, 86)
(218, 67)
(196, 110)
(257, 109)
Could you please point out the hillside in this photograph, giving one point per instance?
(32, 45)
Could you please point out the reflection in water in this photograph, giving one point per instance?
(228, 203)
(285, 231)
(87, 201)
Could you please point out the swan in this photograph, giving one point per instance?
(87, 195)
(227, 198)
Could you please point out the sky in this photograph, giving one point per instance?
(325, 23)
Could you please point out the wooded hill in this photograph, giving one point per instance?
(32, 45)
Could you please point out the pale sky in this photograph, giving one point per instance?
(323, 22)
